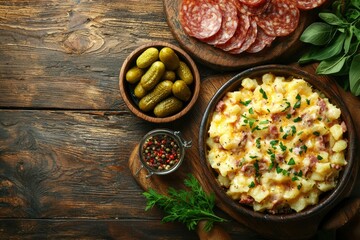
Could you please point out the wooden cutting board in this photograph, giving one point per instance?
(282, 47)
(192, 164)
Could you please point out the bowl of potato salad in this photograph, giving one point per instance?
(277, 146)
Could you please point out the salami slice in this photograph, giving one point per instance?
(239, 36)
(200, 18)
(229, 23)
(253, 3)
(250, 9)
(309, 4)
(262, 40)
(280, 18)
(249, 39)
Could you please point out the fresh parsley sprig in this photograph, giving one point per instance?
(188, 207)
(335, 43)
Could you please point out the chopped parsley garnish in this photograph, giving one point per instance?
(288, 116)
(294, 179)
(285, 135)
(282, 146)
(264, 122)
(304, 148)
(308, 101)
(298, 102)
(293, 130)
(252, 184)
(319, 157)
(316, 133)
(251, 111)
(255, 128)
(291, 161)
(246, 102)
(299, 186)
(273, 143)
(287, 106)
(258, 145)
(279, 169)
(298, 119)
(299, 174)
(263, 93)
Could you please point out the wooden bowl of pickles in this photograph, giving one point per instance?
(159, 82)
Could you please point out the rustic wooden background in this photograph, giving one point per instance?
(65, 132)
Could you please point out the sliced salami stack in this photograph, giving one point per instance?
(238, 26)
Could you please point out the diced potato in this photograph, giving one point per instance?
(339, 146)
(268, 78)
(338, 158)
(336, 131)
(249, 83)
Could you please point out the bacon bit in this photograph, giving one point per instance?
(248, 169)
(220, 107)
(216, 139)
(322, 104)
(279, 158)
(276, 116)
(307, 119)
(273, 132)
(343, 126)
(336, 166)
(246, 199)
(243, 141)
(313, 161)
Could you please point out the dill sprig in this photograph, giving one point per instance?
(185, 206)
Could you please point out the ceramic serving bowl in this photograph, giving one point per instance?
(294, 225)
(127, 89)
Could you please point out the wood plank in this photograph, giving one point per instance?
(104, 229)
(69, 55)
(57, 164)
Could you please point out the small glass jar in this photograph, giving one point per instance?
(162, 151)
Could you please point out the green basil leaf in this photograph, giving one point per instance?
(332, 65)
(354, 48)
(355, 3)
(318, 54)
(318, 33)
(332, 19)
(349, 35)
(352, 14)
(354, 75)
(356, 31)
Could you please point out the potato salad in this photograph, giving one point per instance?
(277, 144)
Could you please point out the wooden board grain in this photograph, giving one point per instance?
(191, 164)
(282, 49)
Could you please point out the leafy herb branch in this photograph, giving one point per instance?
(188, 207)
(335, 43)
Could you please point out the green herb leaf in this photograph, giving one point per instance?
(291, 161)
(317, 33)
(251, 185)
(332, 19)
(246, 102)
(332, 65)
(188, 207)
(298, 119)
(263, 93)
(354, 75)
(330, 50)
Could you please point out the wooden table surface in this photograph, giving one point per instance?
(65, 133)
